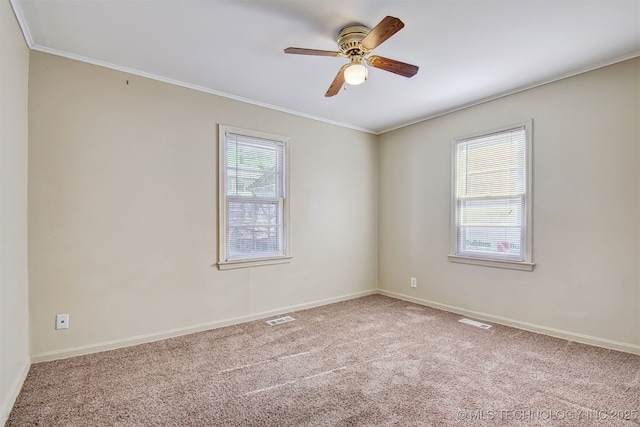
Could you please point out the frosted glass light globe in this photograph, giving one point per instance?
(355, 74)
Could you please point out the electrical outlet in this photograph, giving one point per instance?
(414, 282)
(62, 321)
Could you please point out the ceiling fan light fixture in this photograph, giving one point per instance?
(355, 74)
(356, 43)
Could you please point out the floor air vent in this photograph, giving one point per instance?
(280, 320)
(474, 323)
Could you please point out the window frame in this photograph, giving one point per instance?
(527, 229)
(224, 262)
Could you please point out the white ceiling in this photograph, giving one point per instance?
(467, 50)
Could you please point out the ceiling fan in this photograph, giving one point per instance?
(356, 43)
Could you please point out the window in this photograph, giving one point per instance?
(491, 212)
(254, 201)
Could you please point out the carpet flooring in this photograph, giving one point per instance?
(371, 361)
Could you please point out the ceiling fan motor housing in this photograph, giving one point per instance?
(349, 39)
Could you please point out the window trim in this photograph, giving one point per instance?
(527, 264)
(223, 263)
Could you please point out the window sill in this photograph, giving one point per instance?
(243, 263)
(512, 265)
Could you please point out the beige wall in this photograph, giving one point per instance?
(122, 210)
(586, 284)
(14, 332)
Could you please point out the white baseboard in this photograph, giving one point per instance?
(171, 333)
(557, 333)
(14, 391)
(140, 339)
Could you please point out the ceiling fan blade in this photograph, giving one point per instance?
(315, 52)
(381, 32)
(397, 67)
(337, 83)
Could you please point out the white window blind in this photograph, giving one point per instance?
(254, 197)
(492, 197)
